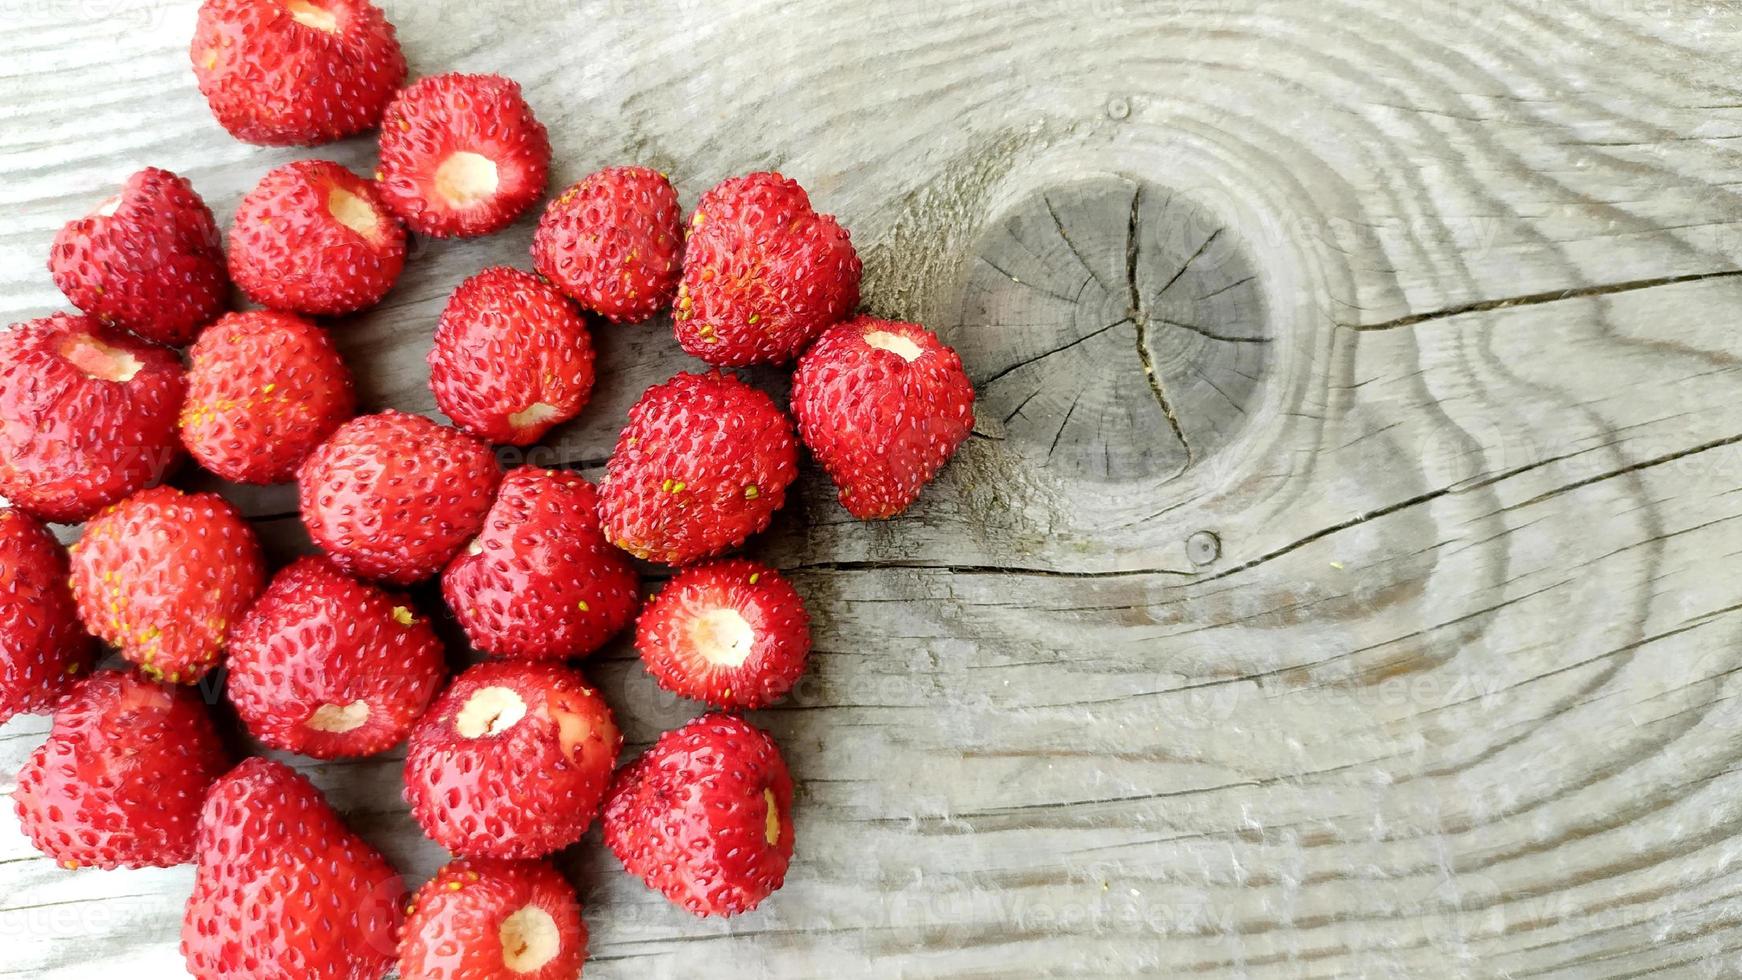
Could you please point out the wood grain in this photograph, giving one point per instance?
(1425, 310)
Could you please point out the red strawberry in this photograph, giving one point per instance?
(313, 237)
(512, 761)
(703, 464)
(541, 581)
(295, 72)
(264, 390)
(148, 259)
(394, 496)
(163, 574)
(327, 666)
(763, 273)
(882, 405)
(705, 816)
(87, 416)
(462, 155)
(732, 633)
(614, 243)
(494, 920)
(120, 780)
(43, 648)
(511, 358)
(283, 888)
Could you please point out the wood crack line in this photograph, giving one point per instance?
(1534, 299)
(1137, 317)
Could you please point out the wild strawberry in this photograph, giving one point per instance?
(883, 405)
(120, 780)
(732, 633)
(327, 666)
(703, 464)
(313, 237)
(283, 888)
(162, 575)
(614, 243)
(494, 920)
(705, 816)
(87, 416)
(295, 72)
(264, 389)
(763, 273)
(462, 155)
(149, 259)
(394, 496)
(512, 761)
(44, 650)
(512, 358)
(541, 581)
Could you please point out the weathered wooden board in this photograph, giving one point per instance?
(1338, 583)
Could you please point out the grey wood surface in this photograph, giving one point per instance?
(1339, 581)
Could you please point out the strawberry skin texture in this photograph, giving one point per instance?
(295, 74)
(87, 416)
(313, 237)
(512, 761)
(705, 816)
(120, 780)
(154, 264)
(703, 464)
(331, 667)
(264, 389)
(614, 243)
(883, 405)
(512, 358)
(44, 650)
(732, 633)
(162, 575)
(462, 155)
(394, 496)
(283, 888)
(763, 273)
(456, 929)
(540, 581)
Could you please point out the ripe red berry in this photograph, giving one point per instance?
(148, 259)
(328, 666)
(541, 581)
(732, 633)
(763, 273)
(162, 575)
(295, 72)
(394, 496)
(87, 416)
(120, 780)
(44, 650)
(462, 155)
(705, 816)
(883, 405)
(512, 357)
(614, 243)
(512, 761)
(313, 237)
(703, 464)
(494, 920)
(264, 389)
(283, 888)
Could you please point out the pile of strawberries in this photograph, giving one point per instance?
(514, 758)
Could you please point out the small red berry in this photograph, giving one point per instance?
(462, 155)
(484, 919)
(44, 649)
(313, 237)
(732, 633)
(149, 259)
(329, 666)
(614, 243)
(264, 389)
(511, 359)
